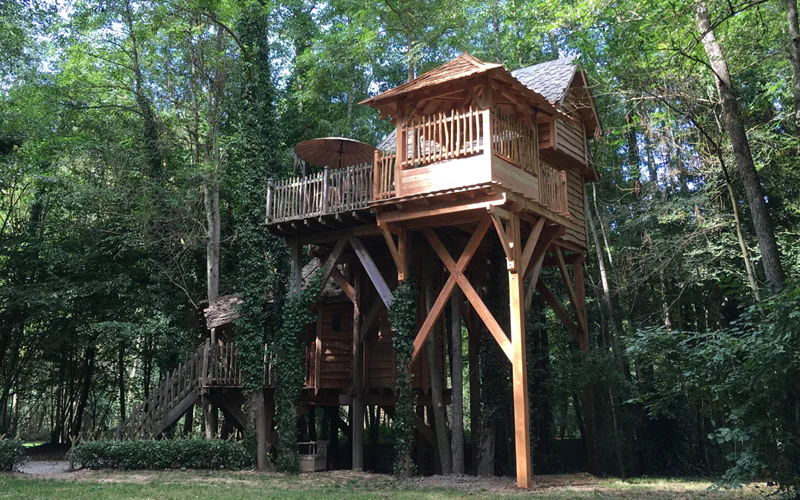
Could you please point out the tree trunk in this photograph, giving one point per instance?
(211, 202)
(748, 264)
(732, 117)
(794, 58)
(188, 421)
(259, 419)
(436, 375)
(121, 382)
(648, 149)
(457, 369)
(77, 422)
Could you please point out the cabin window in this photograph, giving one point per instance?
(336, 322)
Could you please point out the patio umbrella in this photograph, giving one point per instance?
(335, 152)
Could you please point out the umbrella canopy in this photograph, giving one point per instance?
(335, 152)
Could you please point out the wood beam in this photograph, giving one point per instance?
(557, 308)
(457, 274)
(346, 287)
(372, 315)
(358, 382)
(535, 265)
(330, 263)
(530, 245)
(519, 367)
(372, 271)
(501, 234)
(398, 251)
(456, 270)
(443, 209)
(424, 431)
(573, 296)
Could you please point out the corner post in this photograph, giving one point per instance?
(516, 293)
(269, 199)
(357, 425)
(325, 191)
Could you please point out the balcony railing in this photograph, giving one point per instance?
(460, 134)
(443, 136)
(327, 192)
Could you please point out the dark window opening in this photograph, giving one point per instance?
(336, 322)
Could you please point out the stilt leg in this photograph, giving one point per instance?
(358, 403)
(519, 367)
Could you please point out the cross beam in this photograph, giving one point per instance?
(456, 277)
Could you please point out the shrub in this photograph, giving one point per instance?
(162, 454)
(12, 454)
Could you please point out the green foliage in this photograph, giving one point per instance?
(162, 454)
(261, 257)
(12, 454)
(290, 372)
(403, 316)
(747, 375)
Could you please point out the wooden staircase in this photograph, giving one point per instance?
(208, 367)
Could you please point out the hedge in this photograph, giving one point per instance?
(162, 454)
(12, 454)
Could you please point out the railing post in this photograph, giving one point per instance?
(564, 193)
(376, 175)
(325, 191)
(487, 134)
(269, 198)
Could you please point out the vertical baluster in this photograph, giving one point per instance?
(457, 133)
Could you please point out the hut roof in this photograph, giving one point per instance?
(462, 66)
(224, 310)
(551, 79)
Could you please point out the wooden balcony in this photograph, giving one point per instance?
(330, 192)
(437, 153)
(450, 150)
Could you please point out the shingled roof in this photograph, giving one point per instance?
(462, 66)
(550, 79)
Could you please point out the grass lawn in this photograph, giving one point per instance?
(333, 486)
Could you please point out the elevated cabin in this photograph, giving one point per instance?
(483, 165)
(481, 162)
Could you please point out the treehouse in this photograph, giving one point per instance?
(481, 162)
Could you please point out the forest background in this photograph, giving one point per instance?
(137, 137)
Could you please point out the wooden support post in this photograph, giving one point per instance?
(473, 343)
(296, 278)
(399, 251)
(358, 389)
(519, 367)
(325, 208)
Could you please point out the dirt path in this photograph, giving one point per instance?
(46, 469)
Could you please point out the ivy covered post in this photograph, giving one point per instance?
(403, 317)
(289, 366)
(261, 261)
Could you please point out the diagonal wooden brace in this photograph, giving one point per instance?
(447, 289)
(372, 271)
(330, 264)
(577, 306)
(456, 270)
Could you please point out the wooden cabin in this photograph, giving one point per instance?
(475, 148)
(481, 161)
